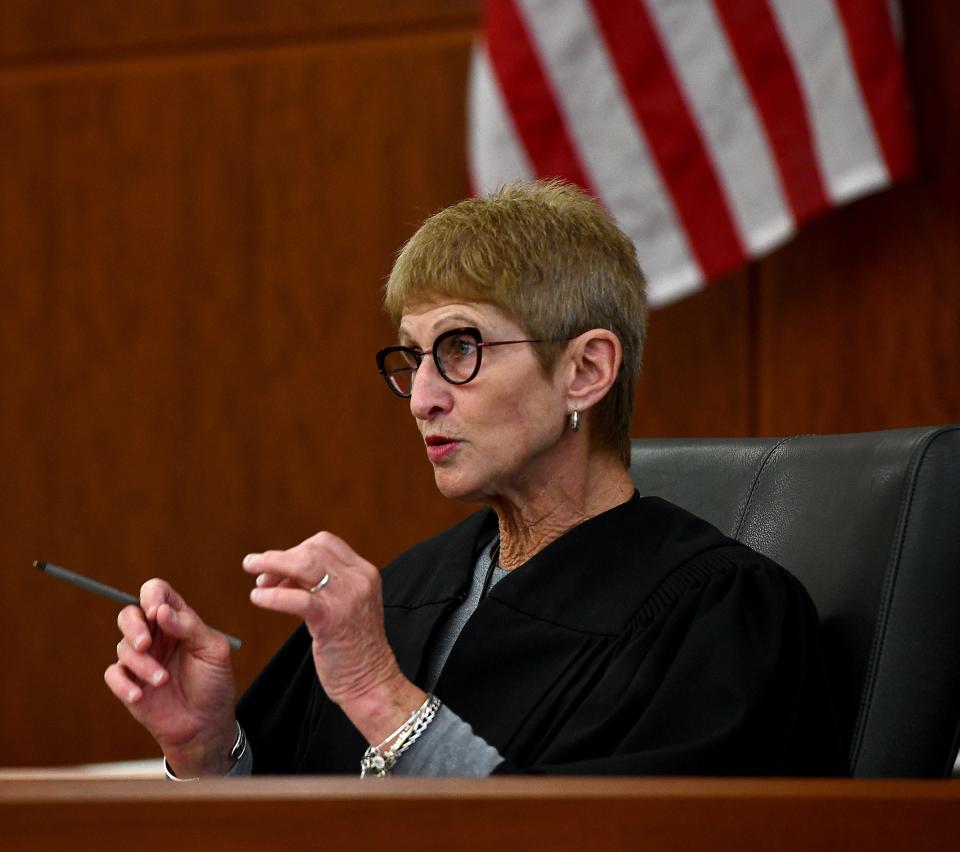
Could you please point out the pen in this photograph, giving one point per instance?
(104, 590)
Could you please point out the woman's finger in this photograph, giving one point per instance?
(155, 593)
(306, 564)
(142, 666)
(333, 547)
(134, 627)
(297, 602)
(121, 685)
(267, 580)
(191, 631)
(294, 565)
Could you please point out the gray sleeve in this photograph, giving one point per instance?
(448, 747)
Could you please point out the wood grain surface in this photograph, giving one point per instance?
(630, 814)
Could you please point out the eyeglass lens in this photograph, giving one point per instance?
(456, 355)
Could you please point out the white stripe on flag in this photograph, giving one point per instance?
(735, 141)
(843, 136)
(610, 143)
(494, 153)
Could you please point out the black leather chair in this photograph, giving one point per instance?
(870, 523)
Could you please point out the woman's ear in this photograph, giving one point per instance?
(595, 358)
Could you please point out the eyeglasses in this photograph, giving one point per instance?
(457, 354)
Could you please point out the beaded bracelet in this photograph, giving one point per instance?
(377, 762)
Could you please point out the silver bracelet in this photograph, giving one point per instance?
(239, 747)
(377, 762)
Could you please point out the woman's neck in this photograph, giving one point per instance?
(529, 524)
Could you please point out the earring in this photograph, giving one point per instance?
(575, 420)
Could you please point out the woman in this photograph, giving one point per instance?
(575, 628)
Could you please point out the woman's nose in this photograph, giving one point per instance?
(430, 393)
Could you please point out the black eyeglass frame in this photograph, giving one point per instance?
(419, 355)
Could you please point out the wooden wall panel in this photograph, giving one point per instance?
(697, 376)
(194, 247)
(860, 315)
(32, 31)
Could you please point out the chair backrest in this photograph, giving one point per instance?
(870, 523)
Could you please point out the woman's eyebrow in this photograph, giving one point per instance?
(404, 338)
(460, 318)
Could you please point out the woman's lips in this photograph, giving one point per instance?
(440, 448)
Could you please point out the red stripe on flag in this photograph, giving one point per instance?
(769, 73)
(675, 142)
(876, 57)
(529, 95)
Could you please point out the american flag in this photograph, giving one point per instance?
(711, 129)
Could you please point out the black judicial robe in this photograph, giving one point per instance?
(642, 641)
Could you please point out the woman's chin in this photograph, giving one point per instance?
(456, 487)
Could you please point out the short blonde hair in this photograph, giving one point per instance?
(551, 258)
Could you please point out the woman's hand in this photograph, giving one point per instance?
(173, 672)
(354, 662)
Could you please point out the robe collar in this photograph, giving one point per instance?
(592, 579)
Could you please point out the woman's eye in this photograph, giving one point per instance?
(464, 347)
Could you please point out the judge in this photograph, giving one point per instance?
(571, 625)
